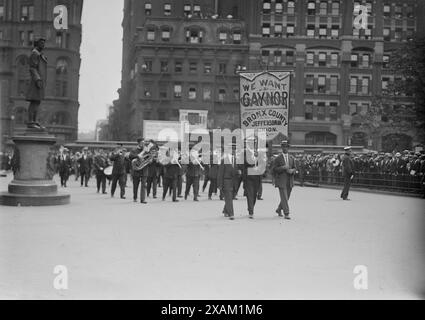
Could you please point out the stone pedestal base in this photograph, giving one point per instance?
(33, 184)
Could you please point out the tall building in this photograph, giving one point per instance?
(22, 21)
(181, 57)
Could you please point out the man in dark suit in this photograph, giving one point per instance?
(100, 162)
(140, 177)
(170, 176)
(85, 163)
(347, 172)
(64, 166)
(118, 172)
(193, 175)
(152, 182)
(283, 170)
(226, 175)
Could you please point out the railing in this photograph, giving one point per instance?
(386, 181)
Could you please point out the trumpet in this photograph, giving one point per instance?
(144, 158)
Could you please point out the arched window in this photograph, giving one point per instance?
(165, 33)
(60, 118)
(23, 75)
(320, 138)
(194, 35)
(61, 78)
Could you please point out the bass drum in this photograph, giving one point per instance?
(108, 171)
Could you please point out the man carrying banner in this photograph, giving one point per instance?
(283, 170)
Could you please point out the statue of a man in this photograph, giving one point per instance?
(38, 71)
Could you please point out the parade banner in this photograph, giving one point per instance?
(264, 101)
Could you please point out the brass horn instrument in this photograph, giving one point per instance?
(144, 158)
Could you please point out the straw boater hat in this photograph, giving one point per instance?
(347, 148)
(285, 143)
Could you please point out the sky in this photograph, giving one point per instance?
(101, 54)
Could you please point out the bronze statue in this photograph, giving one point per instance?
(38, 72)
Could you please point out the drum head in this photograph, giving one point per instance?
(108, 171)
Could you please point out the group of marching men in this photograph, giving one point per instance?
(146, 170)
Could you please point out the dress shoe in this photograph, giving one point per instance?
(251, 216)
(104, 193)
(279, 212)
(209, 198)
(122, 197)
(134, 200)
(231, 218)
(144, 202)
(260, 198)
(195, 200)
(154, 197)
(235, 198)
(287, 217)
(176, 200)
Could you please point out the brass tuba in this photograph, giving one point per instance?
(144, 158)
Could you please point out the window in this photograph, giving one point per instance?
(187, 9)
(387, 34)
(322, 31)
(147, 66)
(353, 108)
(192, 93)
(333, 109)
(277, 57)
(197, 9)
(308, 110)
(266, 30)
(178, 66)
(409, 12)
(353, 85)
(267, 6)
(385, 60)
(206, 95)
(364, 108)
(365, 85)
(354, 60)
(387, 10)
(322, 59)
(334, 59)
(61, 78)
(365, 60)
(148, 8)
(310, 58)
(163, 94)
(321, 111)
(334, 84)
(278, 7)
(193, 67)
(409, 34)
(1, 12)
(291, 7)
(22, 38)
(310, 31)
(356, 33)
(30, 38)
(321, 84)
(194, 36)
(147, 91)
(162, 115)
(265, 57)
(177, 90)
(311, 8)
(164, 66)
(165, 34)
(397, 34)
(278, 30)
(207, 67)
(221, 94)
(222, 68)
(237, 37)
(309, 83)
(167, 9)
(150, 34)
(1, 35)
(335, 32)
(368, 32)
(323, 9)
(335, 8)
(59, 39)
(290, 30)
(27, 13)
(289, 58)
(398, 12)
(222, 36)
(236, 93)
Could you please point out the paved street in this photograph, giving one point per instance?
(115, 248)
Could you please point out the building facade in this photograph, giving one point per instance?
(22, 21)
(186, 54)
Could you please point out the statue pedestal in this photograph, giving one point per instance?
(33, 184)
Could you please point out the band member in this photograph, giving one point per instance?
(85, 164)
(193, 175)
(171, 172)
(212, 177)
(76, 165)
(100, 162)
(347, 172)
(140, 176)
(118, 171)
(153, 173)
(237, 181)
(64, 166)
(225, 180)
(180, 180)
(260, 189)
(283, 170)
(251, 179)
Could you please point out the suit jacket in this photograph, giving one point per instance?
(213, 171)
(282, 178)
(100, 162)
(347, 166)
(226, 172)
(85, 164)
(134, 154)
(119, 164)
(193, 170)
(64, 165)
(171, 171)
